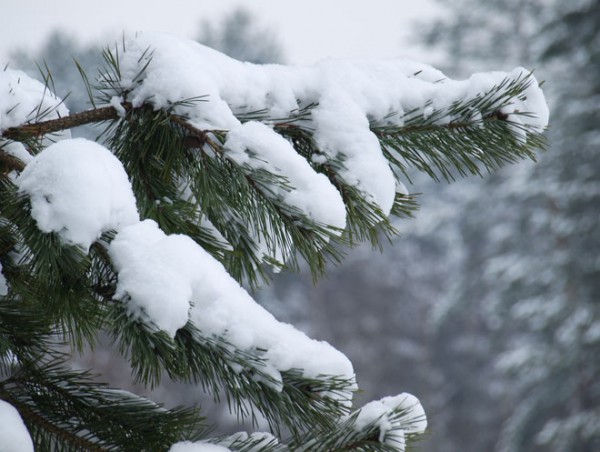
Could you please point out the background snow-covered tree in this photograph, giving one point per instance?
(217, 170)
(526, 286)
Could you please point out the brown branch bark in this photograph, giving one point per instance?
(196, 138)
(55, 125)
(11, 162)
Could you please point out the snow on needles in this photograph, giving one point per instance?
(79, 189)
(258, 146)
(348, 95)
(24, 99)
(259, 441)
(395, 417)
(166, 279)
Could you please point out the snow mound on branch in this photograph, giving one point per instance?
(162, 278)
(257, 145)
(156, 273)
(395, 417)
(347, 96)
(14, 436)
(24, 99)
(79, 190)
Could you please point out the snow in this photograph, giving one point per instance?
(256, 145)
(348, 94)
(14, 436)
(117, 103)
(3, 286)
(259, 441)
(17, 150)
(156, 273)
(393, 428)
(165, 278)
(198, 446)
(79, 190)
(22, 99)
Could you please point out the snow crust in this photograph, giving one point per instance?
(14, 436)
(348, 95)
(79, 190)
(393, 428)
(22, 98)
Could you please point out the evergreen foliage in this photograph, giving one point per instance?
(60, 296)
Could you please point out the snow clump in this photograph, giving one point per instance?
(79, 190)
(395, 417)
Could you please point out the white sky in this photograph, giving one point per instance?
(310, 30)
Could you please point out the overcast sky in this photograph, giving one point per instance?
(309, 30)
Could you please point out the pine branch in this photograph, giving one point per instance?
(219, 367)
(479, 134)
(51, 275)
(347, 435)
(182, 175)
(72, 408)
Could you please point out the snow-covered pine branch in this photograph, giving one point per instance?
(207, 170)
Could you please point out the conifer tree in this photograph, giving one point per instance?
(207, 173)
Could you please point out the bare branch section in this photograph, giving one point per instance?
(55, 125)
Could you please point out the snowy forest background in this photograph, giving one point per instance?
(487, 307)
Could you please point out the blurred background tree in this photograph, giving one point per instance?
(527, 285)
(239, 36)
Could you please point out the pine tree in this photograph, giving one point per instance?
(207, 173)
